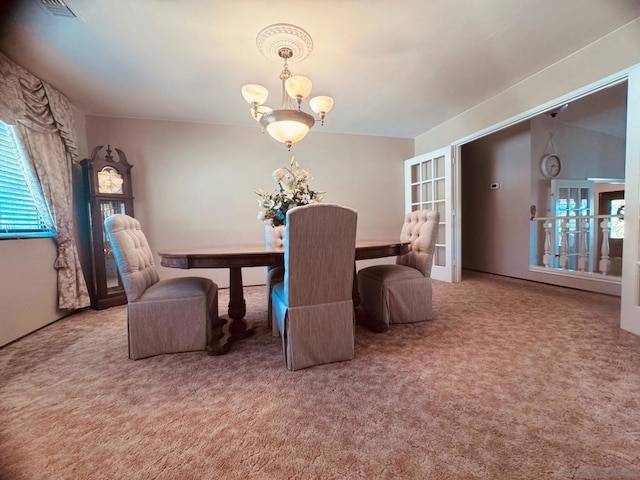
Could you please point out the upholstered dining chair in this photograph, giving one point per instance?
(313, 307)
(402, 293)
(164, 316)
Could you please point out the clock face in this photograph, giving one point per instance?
(551, 166)
(110, 181)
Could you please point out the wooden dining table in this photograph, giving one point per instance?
(235, 257)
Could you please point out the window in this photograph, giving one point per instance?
(23, 211)
(611, 202)
(617, 224)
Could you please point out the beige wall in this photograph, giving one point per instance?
(496, 231)
(193, 183)
(27, 286)
(28, 282)
(584, 154)
(368, 183)
(606, 56)
(495, 236)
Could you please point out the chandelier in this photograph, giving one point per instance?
(288, 124)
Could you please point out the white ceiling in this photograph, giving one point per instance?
(395, 68)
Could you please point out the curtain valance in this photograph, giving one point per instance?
(26, 99)
(45, 122)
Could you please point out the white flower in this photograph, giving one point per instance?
(268, 203)
(279, 174)
(292, 191)
(288, 188)
(302, 175)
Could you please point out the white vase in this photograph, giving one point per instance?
(274, 236)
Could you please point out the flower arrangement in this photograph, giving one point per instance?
(292, 191)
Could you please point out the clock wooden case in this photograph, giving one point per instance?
(108, 191)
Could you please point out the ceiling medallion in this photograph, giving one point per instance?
(283, 35)
(289, 124)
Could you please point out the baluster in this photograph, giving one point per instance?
(564, 240)
(604, 263)
(583, 240)
(547, 257)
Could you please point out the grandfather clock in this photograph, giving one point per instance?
(108, 190)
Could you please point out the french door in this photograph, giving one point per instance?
(573, 199)
(428, 184)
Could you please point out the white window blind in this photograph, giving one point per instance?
(23, 212)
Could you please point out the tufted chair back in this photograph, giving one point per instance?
(132, 255)
(420, 228)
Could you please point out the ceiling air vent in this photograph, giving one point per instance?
(58, 8)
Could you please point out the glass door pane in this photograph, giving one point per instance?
(108, 208)
(572, 199)
(428, 186)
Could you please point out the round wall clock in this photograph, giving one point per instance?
(550, 165)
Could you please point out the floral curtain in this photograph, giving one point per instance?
(45, 123)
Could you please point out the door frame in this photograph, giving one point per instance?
(630, 299)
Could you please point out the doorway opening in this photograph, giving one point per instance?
(508, 197)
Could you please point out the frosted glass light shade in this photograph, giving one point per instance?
(255, 94)
(298, 86)
(287, 126)
(287, 131)
(259, 111)
(321, 104)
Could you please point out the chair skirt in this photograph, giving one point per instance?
(395, 294)
(173, 315)
(314, 334)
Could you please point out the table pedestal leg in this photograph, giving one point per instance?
(237, 305)
(234, 327)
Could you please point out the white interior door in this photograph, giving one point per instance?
(630, 300)
(573, 199)
(428, 184)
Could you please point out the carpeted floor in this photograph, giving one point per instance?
(512, 380)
